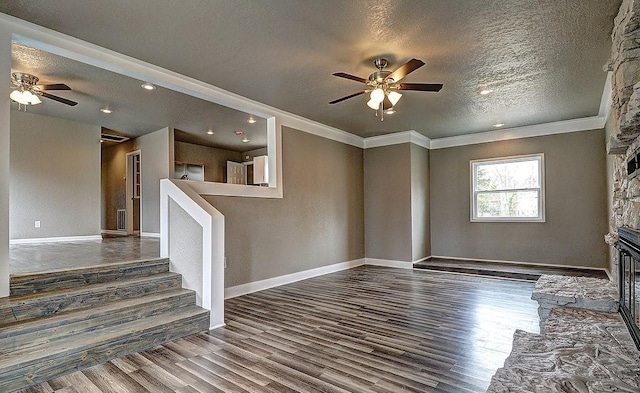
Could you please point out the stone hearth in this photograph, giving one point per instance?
(579, 349)
(577, 292)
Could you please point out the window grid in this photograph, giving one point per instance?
(538, 189)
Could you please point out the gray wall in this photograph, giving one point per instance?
(185, 243)
(576, 207)
(156, 163)
(387, 202)
(318, 222)
(55, 177)
(214, 160)
(114, 184)
(420, 220)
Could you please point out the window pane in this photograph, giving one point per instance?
(507, 204)
(508, 175)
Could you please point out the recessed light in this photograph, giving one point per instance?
(390, 111)
(148, 86)
(106, 110)
(498, 125)
(251, 120)
(210, 132)
(484, 92)
(245, 140)
(239, 133)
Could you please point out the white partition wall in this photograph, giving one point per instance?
(192, 236)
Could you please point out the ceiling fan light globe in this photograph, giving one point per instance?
(377, 95)
(394, 97)
(18, 97)
(34, 99)
(373, 104)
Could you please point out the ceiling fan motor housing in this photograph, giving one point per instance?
(25, 80)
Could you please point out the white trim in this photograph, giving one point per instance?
(261, 285)
(150, 234)
(113, 232)
(518, 263)
(212, 222)
(473, 209)
(312, 127)
(217, 326)
(607, 98)
(397, 138)
(389, 263)
(558, 127)
(55, 239)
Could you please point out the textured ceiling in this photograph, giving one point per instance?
(544, 59)
(135, 111)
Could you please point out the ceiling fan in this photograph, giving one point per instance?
(26, 91)
(384, 85)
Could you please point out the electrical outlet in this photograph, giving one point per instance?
(225, 262)
(37, 224)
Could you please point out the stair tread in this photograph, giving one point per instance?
(92, 269)
(110, 285)
(73, 316)
(80, 342)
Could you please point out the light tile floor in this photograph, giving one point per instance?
(44, 257)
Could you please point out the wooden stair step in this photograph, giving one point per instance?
(43, 362)
(21, 308)
(23, 284)
(49, 329)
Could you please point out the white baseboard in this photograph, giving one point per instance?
(55, 239)
(256, 286)
(150, 234)
(520, 263)
(113, 232)
(389, 263)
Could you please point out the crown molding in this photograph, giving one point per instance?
(558, 127)
(607, 99)
(397, 138)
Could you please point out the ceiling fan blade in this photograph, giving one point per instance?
(405, 70)
(53, 86)
(347, 97)
(59, 99)
(348, 76)
(420, 86)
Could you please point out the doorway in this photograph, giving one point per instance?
(134, 193)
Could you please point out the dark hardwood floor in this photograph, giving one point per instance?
(505, 270)
(368, 329)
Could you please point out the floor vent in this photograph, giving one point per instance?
(121, 219)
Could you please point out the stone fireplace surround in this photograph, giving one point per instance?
(584, 344)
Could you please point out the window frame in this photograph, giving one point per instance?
(473, 164)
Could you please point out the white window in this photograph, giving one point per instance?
(508, 189)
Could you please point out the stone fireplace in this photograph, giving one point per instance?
(624, 124)
(624, 147)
